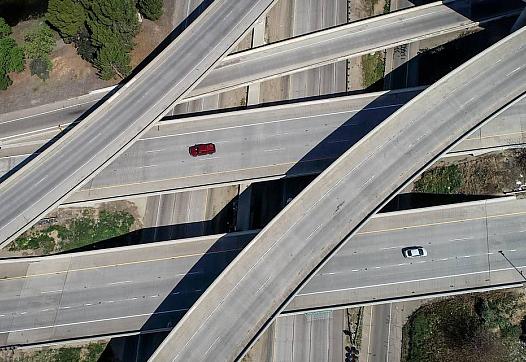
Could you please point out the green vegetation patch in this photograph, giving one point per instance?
(39, 43)
(151, 9)
(387, 6)
(102, 30)
(466, 328)
(440, 180)
(11, 55)
(373, 68)
(93, 352)
(76, 232)
(88, 353)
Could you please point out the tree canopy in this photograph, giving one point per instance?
(151, 9)
(67, 16)
(11, 55)
(5, 29)
(111, 21)
(39, 42)
(112, 24)
(102, 30)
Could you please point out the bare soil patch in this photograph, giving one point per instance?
(494, 173)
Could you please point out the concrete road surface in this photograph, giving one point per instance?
(264, 143)
(116, 290)
(264, 277)
(309, 337)
(280, 58)
(114, 125)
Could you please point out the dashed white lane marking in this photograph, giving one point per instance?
(123, 282)
(95, 321)
(208, 158)
(513, 71)
(51, 291)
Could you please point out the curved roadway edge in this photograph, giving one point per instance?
(97, 292)
(116, 123)
(270, 61)
(255, 131)
(259, 283)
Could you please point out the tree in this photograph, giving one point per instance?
(112, 21)
(112, 25)
(112, 60)
(151, 9)
(67, 16)
(39, 42)
(84, 46)
(5, 29)
(11, 55)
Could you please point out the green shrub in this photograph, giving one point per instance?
(151, 9)
(67, 16)
(40, 67)
(11, 55)
(39, 42)
(440, 180)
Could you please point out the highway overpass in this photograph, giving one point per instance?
(266, 275)
(148, 287)
(261, 144)
(116, 123)
(274, 60)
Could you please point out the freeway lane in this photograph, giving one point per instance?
(273, 60)
(270, 142)
(113, 126)
(462, 242)
(263, 278)
(116, 290)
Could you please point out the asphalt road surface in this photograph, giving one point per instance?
(264, 277)
(270, 142)
(113, 126)
(309, 337)
(116, 290)
(305, 51)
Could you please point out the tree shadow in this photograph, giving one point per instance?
(15, 11)
(158, 49)
(211, 264)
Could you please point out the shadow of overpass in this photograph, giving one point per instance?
(204, 271)
(156, 51)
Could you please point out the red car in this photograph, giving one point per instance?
(202, 149)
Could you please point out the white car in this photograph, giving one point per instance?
(414, 252)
